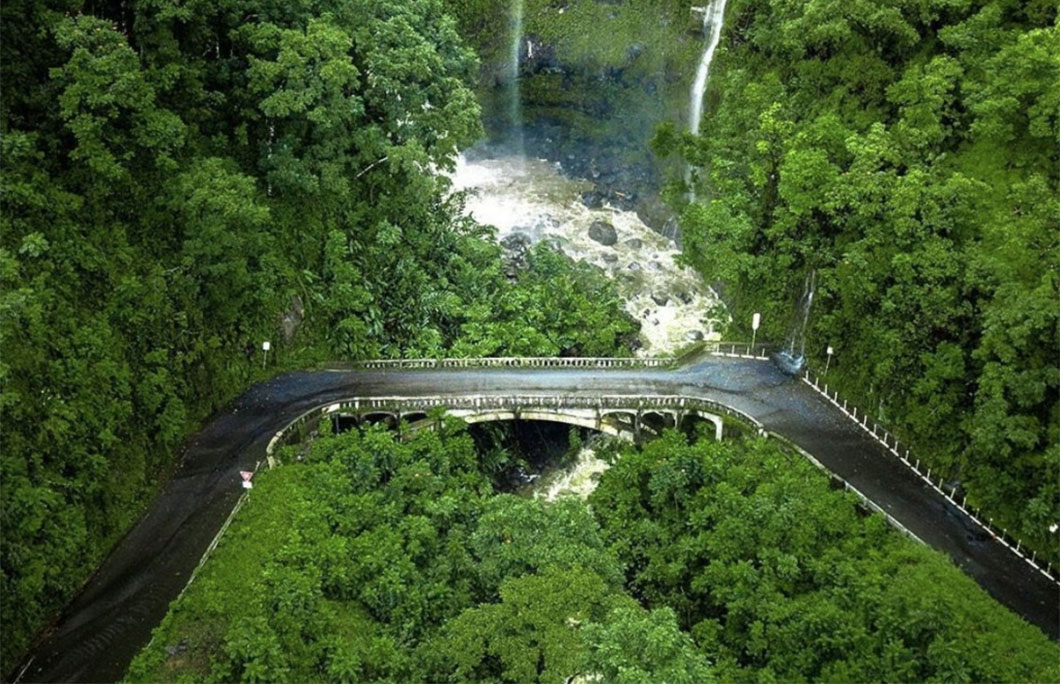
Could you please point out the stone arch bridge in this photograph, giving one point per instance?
(629, 417)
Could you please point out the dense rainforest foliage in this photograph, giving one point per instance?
(182, 181)
(908, 154)
(390, 560)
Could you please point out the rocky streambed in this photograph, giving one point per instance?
(531, 200)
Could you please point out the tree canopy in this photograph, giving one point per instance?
(377, 558)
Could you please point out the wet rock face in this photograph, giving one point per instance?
(292, 319)
(538, 57)
(603, 232)
(655, 213)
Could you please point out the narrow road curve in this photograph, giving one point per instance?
(112, 618)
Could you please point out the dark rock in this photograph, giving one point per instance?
(593, 199)
(660, 298)
(634, 243)
(654, 266)
(694, 335)
(516, 242)
(515, 248)
(684, 297)
(603, 232)
(634, 266)
(610, 258)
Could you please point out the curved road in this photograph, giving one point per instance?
(111, 619)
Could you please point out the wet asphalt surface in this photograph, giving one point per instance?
(111, 619)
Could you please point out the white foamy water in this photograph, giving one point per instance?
(579, 479)
(534, 197)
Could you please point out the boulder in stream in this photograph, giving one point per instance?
(603, 232)
(515, 247)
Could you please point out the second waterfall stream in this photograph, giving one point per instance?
(713, 17)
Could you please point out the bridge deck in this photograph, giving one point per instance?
(111, 619)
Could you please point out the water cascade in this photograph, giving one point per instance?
(532, 200)
(579, 479)
(713, 16)
(515, 114)
(790, 359)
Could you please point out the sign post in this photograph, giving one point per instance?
(828, 363)
(756, 320)
(247, 475)
(265, 347)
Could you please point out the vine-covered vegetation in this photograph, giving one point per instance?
(378, 559)
(183, 181)
(908, 155)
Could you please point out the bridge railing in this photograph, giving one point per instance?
(517, 362)
(903, 453)
(741, 350)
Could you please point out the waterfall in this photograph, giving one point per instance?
(802, 317)
(515, 114)
(713, 16)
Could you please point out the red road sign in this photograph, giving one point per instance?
(246, 474)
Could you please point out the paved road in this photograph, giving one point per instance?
(111, 619)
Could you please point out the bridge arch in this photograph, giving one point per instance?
(581, 418)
